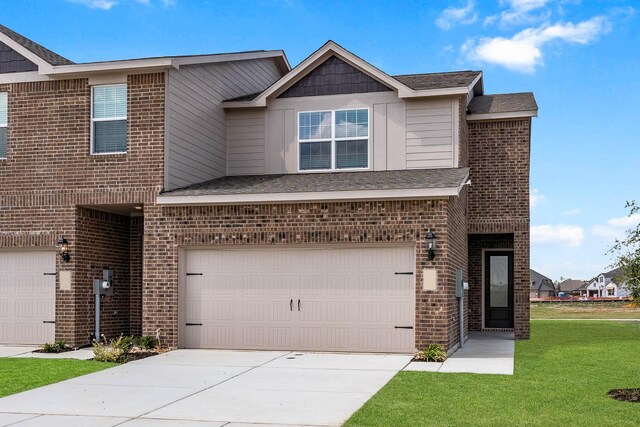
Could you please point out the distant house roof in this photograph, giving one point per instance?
(503, 103)
(540, 282)
(42, 52)
(613, 273)
(438, 80)
(324, 186)
(571, 285)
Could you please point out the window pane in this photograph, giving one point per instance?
(316, 125)
(110, 137)
(109, 101)
(352, 154)
(3, 108)
(499, 281)
(3, 143)
(352, 123)
(315, 155)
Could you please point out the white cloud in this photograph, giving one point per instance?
(616, 228)
(96, 4)
(168, 3)
(535, 198)
(518, 13)
(570, 212)
(463, 15)
(557, 235)
(523, 53)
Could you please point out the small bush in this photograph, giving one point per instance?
(433, 353)
(124, 348)
(56, 347)
(108, 352)
(147, 342)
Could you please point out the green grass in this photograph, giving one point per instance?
(18, 374)
(584, 310)
(562, 376)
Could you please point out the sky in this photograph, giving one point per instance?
(580, 58)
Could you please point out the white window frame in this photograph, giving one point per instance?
(6, 125)
(334, 139)
(110, 119)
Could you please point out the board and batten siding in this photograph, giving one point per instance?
(431, 135)
(196, 126)
(403, 134)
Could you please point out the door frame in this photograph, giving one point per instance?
(483, 262)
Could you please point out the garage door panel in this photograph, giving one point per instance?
(27, 297)
(350, 299)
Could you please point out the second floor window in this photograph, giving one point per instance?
(333, 140)
(109, 119)
(3, 124)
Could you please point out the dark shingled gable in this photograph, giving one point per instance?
(332, 181)
(41, 51)
(502, 103)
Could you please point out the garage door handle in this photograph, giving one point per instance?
(298, 305)
(291, 305)
(48, 321)
(403, 327)
(194, 324)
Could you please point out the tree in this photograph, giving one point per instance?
(627, 253)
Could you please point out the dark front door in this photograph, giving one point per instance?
(498, 289)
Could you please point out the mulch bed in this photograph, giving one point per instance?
(625, 394)
(53, 352)
(141, 354)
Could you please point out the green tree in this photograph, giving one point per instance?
(627, 254)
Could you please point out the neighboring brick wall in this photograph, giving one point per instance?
(457, 259)
(167, 229)
(49, 172)
(499, 154)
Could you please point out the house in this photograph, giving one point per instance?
(572, 287)
(235, 202)
(606, 285)
(541, 286)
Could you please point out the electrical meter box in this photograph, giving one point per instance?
(459, 284)
(104, 286)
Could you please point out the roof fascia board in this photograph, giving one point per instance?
(242, 56)
(26, 77)
(502, 116)
(43, 65)
(98, 67)
(222, 199)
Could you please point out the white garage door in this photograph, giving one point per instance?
(347, 299)
(27, 297)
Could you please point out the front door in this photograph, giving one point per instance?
(498, 289)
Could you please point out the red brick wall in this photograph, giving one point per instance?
(499, 154)
(167, 229)
(135, 264)
(457, 260)
(49, 171)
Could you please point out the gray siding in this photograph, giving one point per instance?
(196, 126)
(430, 134)
(246, 135)
(12, 62)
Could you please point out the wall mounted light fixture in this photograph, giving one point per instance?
(431, 245)
(63, 249)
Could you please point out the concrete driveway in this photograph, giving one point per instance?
(195, 388)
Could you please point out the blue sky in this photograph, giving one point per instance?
(580, 58)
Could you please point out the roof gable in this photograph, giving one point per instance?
(12, 62)
(32, 51)
(334, 77)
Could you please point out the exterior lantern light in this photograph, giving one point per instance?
(431, 245)
(63, 249)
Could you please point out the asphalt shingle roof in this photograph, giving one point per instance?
(39, 50)
(320, 182)
(540, 282)
(502, 103)
(438, 80)
(571, 285)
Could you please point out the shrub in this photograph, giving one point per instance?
(148, 342)
(433, 353)
(56, 347)
(107, 352)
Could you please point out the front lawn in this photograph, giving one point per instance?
(584, 310)
(562, 376)
(20, 374)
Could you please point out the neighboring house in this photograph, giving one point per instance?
(606, 285)
(243, 204)
(573, 287)
(541, 286)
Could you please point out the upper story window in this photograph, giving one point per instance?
(3, 124)
(332, 140)
(109, 119)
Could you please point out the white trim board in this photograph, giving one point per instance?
(225, 199)
(502, 116)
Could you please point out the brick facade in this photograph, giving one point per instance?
(169, 228)
(498, 212)
(49, 174)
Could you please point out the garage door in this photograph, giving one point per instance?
(347, 299)
(27, 297)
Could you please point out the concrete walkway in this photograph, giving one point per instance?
(483, 353)
(27, 351)
(198, 388)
